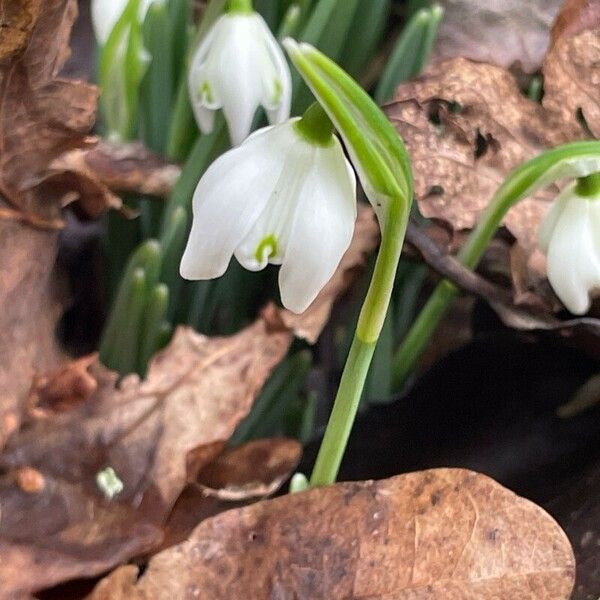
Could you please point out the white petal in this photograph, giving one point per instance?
(229, 198)
(322, 229)
(574, 254)
(105, 14)
(278, 111)
(234, 64)
(551, 218)
(268, 238)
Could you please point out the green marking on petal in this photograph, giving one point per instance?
(277, 91)
(267, 245)
(206, 94)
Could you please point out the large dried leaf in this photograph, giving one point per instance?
(30, 297)
(155, 434)
(444, 534)
(41, 115)
(467, 125)
(311, 322)
(63, 531)
(501, 33)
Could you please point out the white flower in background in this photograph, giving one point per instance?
(570, 237)
(106, 13)
(279, 198)
(238, 67)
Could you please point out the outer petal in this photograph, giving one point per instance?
(574, 254)
(552, 216)
(234, 64)
(229, 198)
(322, 228)
(279, 111)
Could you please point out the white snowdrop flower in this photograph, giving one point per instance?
(282, 197)
(238, 67)
(106, 13)
(570, 237)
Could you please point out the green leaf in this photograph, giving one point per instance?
(411, 52)
(159, 81)
(283, 387)
(365, 34)
(121, 321)
(153, 321)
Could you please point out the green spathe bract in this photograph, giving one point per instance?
(382, 162)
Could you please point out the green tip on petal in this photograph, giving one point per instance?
(266, 249)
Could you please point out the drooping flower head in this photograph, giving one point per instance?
(282, 197)
(238, 67)
(570, 237)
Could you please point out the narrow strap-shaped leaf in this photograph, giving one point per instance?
(410, 53)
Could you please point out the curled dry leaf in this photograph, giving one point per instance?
(443, 533)
(255, 470)
(41, 114)
(121, 168)
(63, 389)
(501, 33)
(197, 391)
(311, 322)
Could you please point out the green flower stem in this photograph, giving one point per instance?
(344, 411)
(369, 327)
(383, 166)
(578, 159)
(240, 6)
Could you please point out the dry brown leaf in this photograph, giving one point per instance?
(466, 126)
(63, 389)
(311, 322)
(41, 115)
(64, 531)
(255, 470)
(501, 33)
(17, 18)
(30, 297)
(572, 67)
(197, 391)
(122, 168)
(444, 533)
